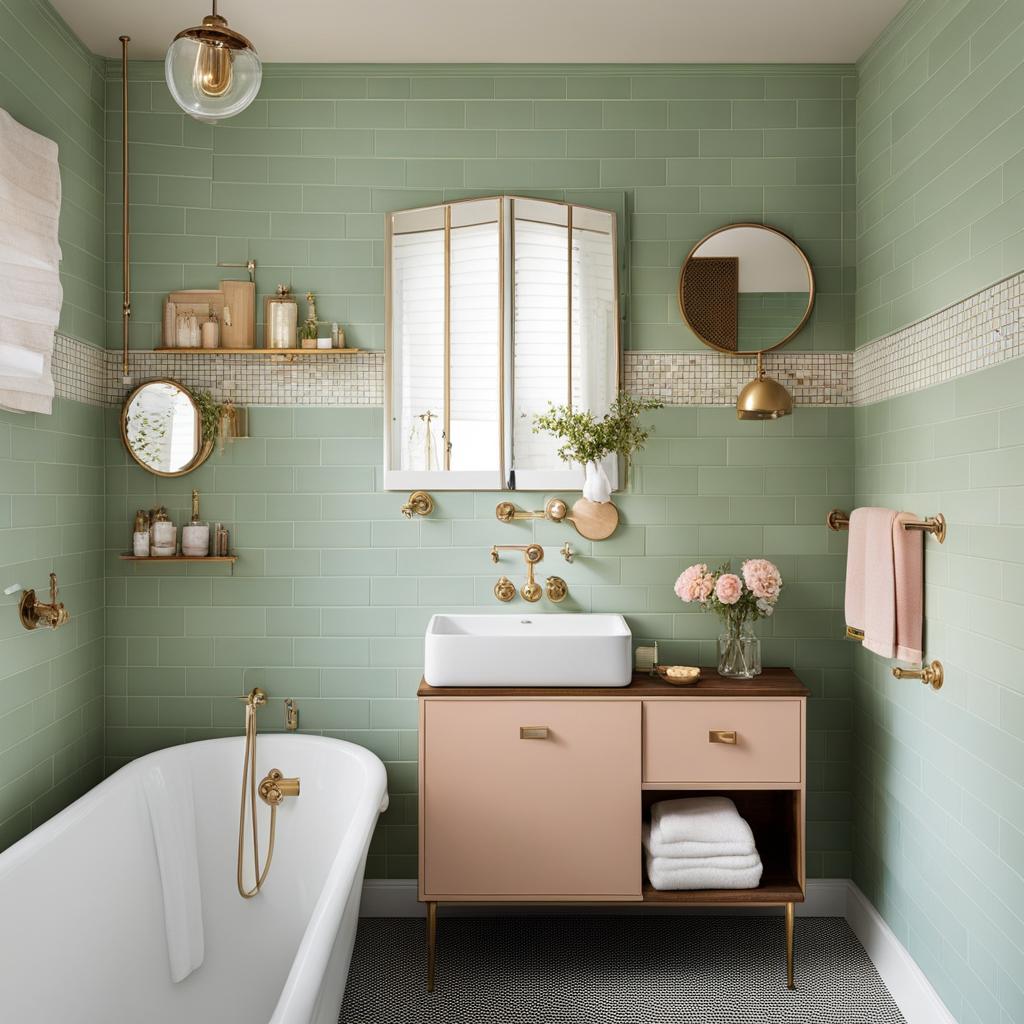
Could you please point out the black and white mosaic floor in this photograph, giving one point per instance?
(607, 970)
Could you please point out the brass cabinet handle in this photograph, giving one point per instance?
(534, 732)
(722, 736)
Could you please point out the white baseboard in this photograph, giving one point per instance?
(912, 991)
(826, 897)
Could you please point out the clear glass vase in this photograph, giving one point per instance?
(739, 654)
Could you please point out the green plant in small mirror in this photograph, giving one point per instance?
(148, 434)
(218, 419)
(587, 439)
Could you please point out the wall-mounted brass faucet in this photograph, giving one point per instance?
(554, 509)
(35, 613)
(420, 503)
(531, 589)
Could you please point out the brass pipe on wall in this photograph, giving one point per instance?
(126, 267)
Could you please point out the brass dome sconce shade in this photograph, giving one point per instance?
(764, 398)
(212, 71)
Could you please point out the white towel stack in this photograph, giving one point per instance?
(700, 843)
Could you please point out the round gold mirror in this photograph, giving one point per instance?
(162, 428)
(746, 288)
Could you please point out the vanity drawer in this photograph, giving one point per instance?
(530, 799)
(723, 740)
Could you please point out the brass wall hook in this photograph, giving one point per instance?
(35, 613)
(420, 503)
(931, 675)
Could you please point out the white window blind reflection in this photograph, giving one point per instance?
(540, 326)
(417, 292)
(475, 334)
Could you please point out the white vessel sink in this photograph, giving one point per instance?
(528, 650)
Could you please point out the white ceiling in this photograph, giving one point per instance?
(481, 31)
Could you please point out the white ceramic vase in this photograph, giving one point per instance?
(596, 485)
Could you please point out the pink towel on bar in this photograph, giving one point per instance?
(885, 582)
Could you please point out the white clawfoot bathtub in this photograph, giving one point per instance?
(82, 912)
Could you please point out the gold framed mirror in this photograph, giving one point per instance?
(746, 288)
(162, 428)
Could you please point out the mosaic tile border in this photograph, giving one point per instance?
(709, 378)
(979, 332)
(81, 372)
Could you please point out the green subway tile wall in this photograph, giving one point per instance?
(51, 467)
(333, 589)
(939, 801)
(940, 160)
(51, 682)
(301, 180)
(53, 85)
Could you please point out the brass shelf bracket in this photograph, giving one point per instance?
(932, 675)
(935, 525)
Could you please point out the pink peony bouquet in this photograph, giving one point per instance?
(735, 598)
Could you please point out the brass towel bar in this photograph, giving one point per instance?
(935, 525)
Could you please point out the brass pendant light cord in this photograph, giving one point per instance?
(126, 267)
(249, 792)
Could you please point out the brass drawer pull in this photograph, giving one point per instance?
(722, 736)
(533, 732)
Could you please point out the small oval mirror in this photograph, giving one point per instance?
(162, 428)
(746, 288)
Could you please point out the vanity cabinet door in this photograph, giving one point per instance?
(530, 799)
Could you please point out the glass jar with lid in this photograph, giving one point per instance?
(280, 318)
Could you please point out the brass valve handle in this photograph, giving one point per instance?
(275, 787)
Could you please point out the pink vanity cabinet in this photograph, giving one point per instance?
(538, 795)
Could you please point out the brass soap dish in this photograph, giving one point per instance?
(682, 675)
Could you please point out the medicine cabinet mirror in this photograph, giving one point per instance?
(496, 307)
(746, 288)
(162, 428)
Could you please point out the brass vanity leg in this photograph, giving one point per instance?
(431, 944)
(789, 946)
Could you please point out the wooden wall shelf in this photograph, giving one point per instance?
(287, 352)
(178, 558)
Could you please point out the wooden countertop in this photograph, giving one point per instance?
(772, 682)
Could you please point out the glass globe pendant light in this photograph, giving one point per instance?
(213, 72)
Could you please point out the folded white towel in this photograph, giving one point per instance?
(685, 877)
(696, 851)
(700, 819)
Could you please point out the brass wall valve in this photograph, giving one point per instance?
(420, 503)
(35, 613)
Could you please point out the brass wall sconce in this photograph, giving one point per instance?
(931, 675)
(420, 503)
(35, 614)
(764, 398)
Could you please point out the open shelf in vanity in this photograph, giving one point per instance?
(507, 819)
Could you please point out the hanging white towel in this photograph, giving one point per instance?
(30, 288)
(172, 817)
